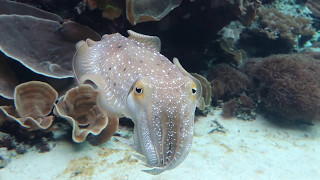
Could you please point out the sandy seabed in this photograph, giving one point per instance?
(255, 149)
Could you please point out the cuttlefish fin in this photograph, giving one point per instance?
(152, 42)
(90, 42)
(202, 99)
(81, 65)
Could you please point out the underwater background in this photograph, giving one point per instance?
(258, 62)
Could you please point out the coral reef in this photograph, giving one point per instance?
(201, 33)
(287, 86)
(276, 24)
(277, 32)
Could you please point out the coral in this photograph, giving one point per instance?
(226, 82)
(10, 7)
(33, 102)
(229, 109)
(314, 6)
(112, 9)
(11, 143)
(276, 24)
(5, 157)
(79, 108)
(229, 36)
(8, 79)
(287, 85)
(74, 32)
(49, 54)
(241, 107)
(149, 10)
(42, 45)
(43, 145)
(245, 10)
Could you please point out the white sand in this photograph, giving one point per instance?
(248, 150)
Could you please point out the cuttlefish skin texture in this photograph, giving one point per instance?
(137, 82)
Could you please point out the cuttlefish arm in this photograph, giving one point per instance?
(146, 140)
(153, 42)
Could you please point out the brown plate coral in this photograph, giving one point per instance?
(79, 108)
(39, 40)
(33, 102)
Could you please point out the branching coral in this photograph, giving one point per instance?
(276, 24)
(288, 86)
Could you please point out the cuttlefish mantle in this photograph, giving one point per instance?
(137, 82)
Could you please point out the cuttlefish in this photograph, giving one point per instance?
(137, 82)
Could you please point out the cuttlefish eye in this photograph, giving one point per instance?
(138, 90)
(194, 90)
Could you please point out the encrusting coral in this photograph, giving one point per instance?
(33, 102)
(287, 85)
(79, 108)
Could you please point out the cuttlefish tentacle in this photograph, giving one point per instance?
(137, 82)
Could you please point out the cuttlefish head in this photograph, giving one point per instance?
(163, 113)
